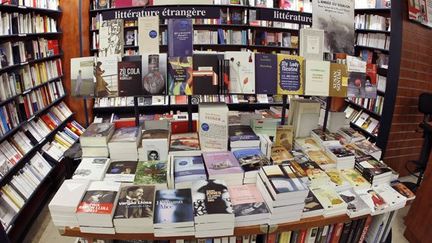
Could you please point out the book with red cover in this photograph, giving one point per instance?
(302, 236)
(182, 127)
(129, 122)
(337, 232)
(48, 121)
(365, 228)
(53, 47)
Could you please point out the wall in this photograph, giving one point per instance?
(70, 44)
(404, 143)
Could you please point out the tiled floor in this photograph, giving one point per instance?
(44, 231)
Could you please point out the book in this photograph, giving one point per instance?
(121, 171)
(357, 84)
(155, 144)
(356, 206)
(180, 75)
(338, 80)
(331, 201)
(312, 207)
(290, 75)
(317, 78)
(312, 44)
(148, 31)
(222, 165)
(251, 161)
(280, 155)
(151, 173)
(207, 73)
(241, 72)
(180, 38)
(213, 127)
(241, 136)
(284, 136)
(266, 73)
(188, 169)
(97, 134)
(184, 142)
(129, 78)
(106, 76)
(92, 169)
(111, 38)
(173, 208)
(154, 74)
(82, 84)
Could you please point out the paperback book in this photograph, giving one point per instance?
(151, 173)
(154, 74)
(82, 75)
(180, 75)
(121, 171)
(241, 72)
(290, 75)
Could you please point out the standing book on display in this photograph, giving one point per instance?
(111, 36)
(82, 77)
(213, 129)
(338, 80)
(129, 76)
(266, 73)
(148, 32)
(241, 72)
(207, 74)
(154, 74)
(106, 76)
(317, 78)
(312, 44)
(180, 38)
(180, 75)
(290, 75)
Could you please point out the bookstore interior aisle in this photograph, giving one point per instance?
(214, 121)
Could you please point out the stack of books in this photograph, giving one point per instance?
(248, 205)
(121, 171)
(213, 211)
(350, 135)
(242, 137)
(375, 172)
(152, 173)
(154, 145)
(356, 206)
(97, 207)
(91, 169)
(369, 148)
(123, 145)
(251, 161)
(134, 212)
(331, 201)
(223, 166)
(338, 181)
(184, 170)
(173, 213)
(382, 199)
(325, 138)
(94, 141)
(344, 158)
(283, 191)
(313, 207)
(62, 208)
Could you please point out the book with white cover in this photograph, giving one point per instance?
(331, 201)
(312, 44)
(213, 129)
(155, 144)
(92, 169)
(374, 200)
(356, 206)
(68, 196)
(242, 72)
(148, 32)
(317, 78)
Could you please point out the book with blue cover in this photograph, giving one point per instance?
(180, 37)
(251, 159)
(266, 73)
(173, 208)
(242, 136)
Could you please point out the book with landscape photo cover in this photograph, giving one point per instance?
(125, 134)
(211, 197)
(98, 130)
(173, 206)
(247, 200)
(151, 172)
(135, 201)
(184, 142)
(251, 159)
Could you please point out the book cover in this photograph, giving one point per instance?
(280, 155)
(373, 199)
(355, 204)
(312, 203)
(241, 72)
(247, 200)
(180, 75)
(328, 197)
(180, 38)
(340, 151)
(312, 44)
(371, 81)
(125, 134)
(188, 168)
(151, 173)
(290, 75)
(129, 78)
(284, 136)
(82, 84)
(355, 178)
(148, 31)
(338, 80)
(280, 182)
(266, 73)
(403, 190)
(213, 127)
(251, 159)
(357, 85)
(135, 202)
(173, 206)
(184, 142)
(317, 79)
(121, 171)
(99, 198)
(221, 163)
(241, 133)
(154, 74)
(321, 158)
(338, 179)
(307, 144)
(98, 130)
(102, 4)
(91, 169)
(155, 144)
(106, 76)
(207, 73)
(111, 36)
(211, 197)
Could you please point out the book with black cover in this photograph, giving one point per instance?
(172, 207)
(206, 73)
(129, 77)
(266, 73)
(241, 132)
(312, 204)
(135, 202)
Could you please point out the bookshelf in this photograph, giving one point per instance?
(52, 93)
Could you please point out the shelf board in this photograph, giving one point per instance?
(114, 108)
(8, 68)
(373, 10)
(373, 31)
(222, 46)
(372, 48)
(368, 134)
(10, 99)
(43, 110)
(30, 35)
(359, 107)
(20, 9)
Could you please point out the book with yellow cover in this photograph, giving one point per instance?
(290, 75)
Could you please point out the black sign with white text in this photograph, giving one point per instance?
(281, 15)
(196, 12)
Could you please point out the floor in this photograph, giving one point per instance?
(44, 231)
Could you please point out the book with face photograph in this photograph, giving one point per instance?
(121, 171)
(173, 207)
(135, 201)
